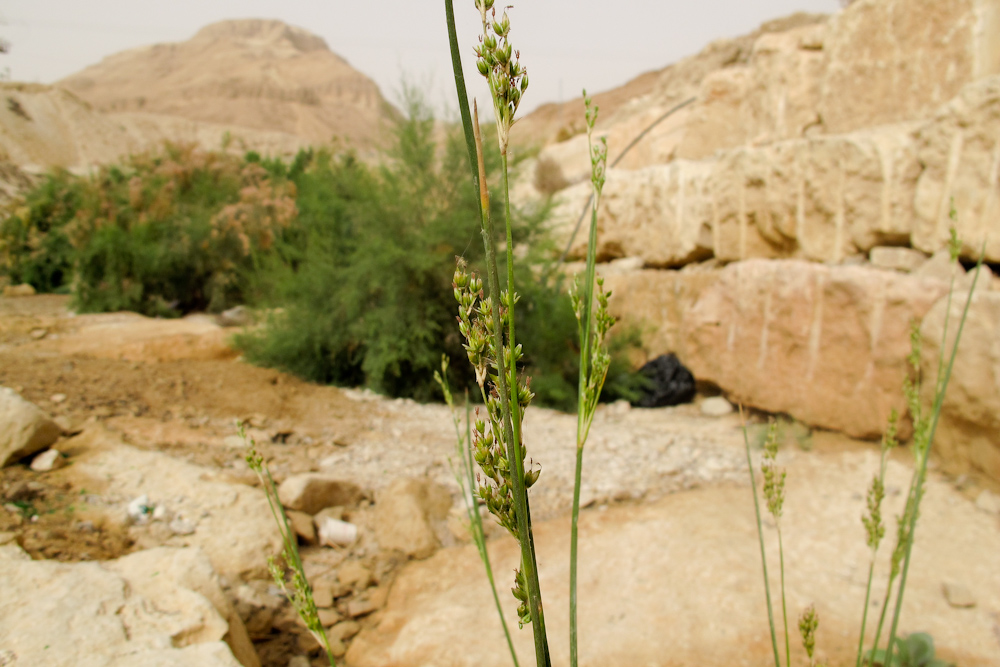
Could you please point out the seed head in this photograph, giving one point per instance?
(774, 477)
(808, 623)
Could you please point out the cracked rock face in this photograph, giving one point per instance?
(162, 607)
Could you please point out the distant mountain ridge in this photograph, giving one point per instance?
(258, 74)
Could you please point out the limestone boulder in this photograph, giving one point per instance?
(822, 198)
(897, 259)
(313, 492)
(165, 573)
(960, 151)
(405, 513)
(897, 60)
(24, 428)
(231, 523)
(826, 345)
(656, 302)
(773, 97)
(90, 615)
(661, 213)
(968, 433)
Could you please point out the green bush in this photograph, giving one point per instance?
(355, 261)
(174, 231)
(362, 288)
(34, 247)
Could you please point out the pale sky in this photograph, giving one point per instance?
(565, 44)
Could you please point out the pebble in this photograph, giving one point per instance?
(328, 617)
(334, 533)
(38, 334)
(85, 526)
(353, 573)
(181, 526)
(958, 596)
(345, 630)
(48, 460)
(716, 406)
(57, 398)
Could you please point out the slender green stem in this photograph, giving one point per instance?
(463, 96)
(889, 441)
(864, 615)
(584, 418)
(760, 536)
(941, 385)
(572, 558)
(480, 534)
(506, 385)
(515, 448)
(784, 605)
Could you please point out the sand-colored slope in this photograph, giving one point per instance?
(258, 74)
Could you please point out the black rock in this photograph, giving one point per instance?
(670, 383)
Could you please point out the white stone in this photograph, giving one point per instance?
(335, 533)
(46, 461)
(716, 406)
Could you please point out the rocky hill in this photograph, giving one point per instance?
(251, 84)
(258, 74)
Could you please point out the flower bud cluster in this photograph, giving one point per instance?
(598, 151)
(489, 444)
(500, 64)
(808, 622)
(774, 477)
(520, 591)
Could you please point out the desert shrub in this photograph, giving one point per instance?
(34, 247)
(362, 285)
(175, 230)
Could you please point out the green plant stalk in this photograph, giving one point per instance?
(291, 547)
(472, 508)
(520, 495)
(760, 536)
(508, 406)
(892, 581)
(864, 615)
(784, 606)
(871, 572)
(463, 96)
(583, 421)
(480, 537)
(940, 388)
(513, 413)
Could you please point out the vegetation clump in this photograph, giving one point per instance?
(352, 262)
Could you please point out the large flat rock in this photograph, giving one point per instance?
(108, 615)
(133, 337)
(678, 581)
(232, 522)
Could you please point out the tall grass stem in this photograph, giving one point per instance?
(760, 536)
(940, 386)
